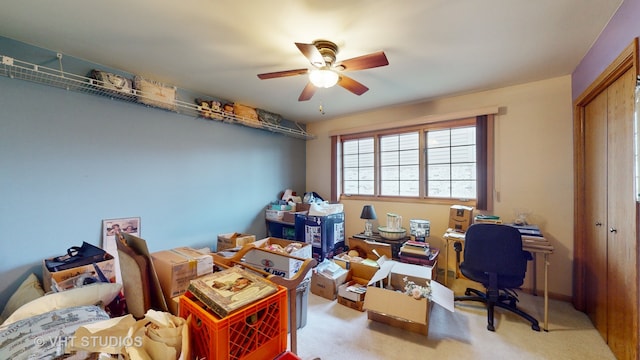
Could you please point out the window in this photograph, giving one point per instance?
(400, 164)
(451, 163)
(437, 161)
(358, 171)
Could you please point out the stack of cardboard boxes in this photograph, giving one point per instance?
(383, 280)
(176, 268)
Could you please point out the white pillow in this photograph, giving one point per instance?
(19, 338)
(97, 293)
(30, 289)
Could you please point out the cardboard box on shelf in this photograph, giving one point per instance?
(396, 308)
(278, 263)
(274, 214)
(107, 267)
(176, 267)
(232, 240)
(290, 216)
(302, 207)
(460, 217)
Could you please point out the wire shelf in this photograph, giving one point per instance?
(17, 69)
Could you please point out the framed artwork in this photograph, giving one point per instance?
(111, 227)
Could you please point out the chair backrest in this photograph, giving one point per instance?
(495, 248)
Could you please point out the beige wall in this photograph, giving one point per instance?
(534, 165)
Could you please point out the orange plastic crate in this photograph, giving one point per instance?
(256, 332)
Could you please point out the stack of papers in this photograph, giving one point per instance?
(330, 269)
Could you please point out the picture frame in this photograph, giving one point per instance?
(110, 227)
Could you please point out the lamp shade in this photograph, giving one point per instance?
(368, 213)
(324, 78)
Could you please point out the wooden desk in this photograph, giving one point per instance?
(534, 244)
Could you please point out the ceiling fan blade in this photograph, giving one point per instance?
(312, 53)
(307, 92)
(364, 62)
(278, 74)
(352, 85)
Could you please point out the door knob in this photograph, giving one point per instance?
(598, 223)
(613, 230)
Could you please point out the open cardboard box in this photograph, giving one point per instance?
(107, 266)
(233, 240)
(398, 309)
(370, 251)
(277, 263)
(358, 274)
(326, 284)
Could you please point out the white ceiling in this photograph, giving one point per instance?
(435, 48)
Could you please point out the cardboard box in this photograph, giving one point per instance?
(359, 274)
(344, 262)
(420, 327)
(327, 286)
(302, 207)
(355, 305)
(107, 267)
(290, 217)
(345, 292)
(277, 263)
(369, 250)
(174, 305)
(460, 217)
(395, 308)
(176, 267)
(372, 249)
(274, 214)
(233, 240)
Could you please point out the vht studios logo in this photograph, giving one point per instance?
(89, 341)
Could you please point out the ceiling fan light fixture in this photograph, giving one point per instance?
(323, 78)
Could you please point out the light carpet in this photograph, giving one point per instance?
(336, 332)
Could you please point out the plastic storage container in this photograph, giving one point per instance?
(302, 301)
(324, 233)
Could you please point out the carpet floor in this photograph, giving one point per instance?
(335, 332)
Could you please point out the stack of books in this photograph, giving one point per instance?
(487, 219)
(418, 253)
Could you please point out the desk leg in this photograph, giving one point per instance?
(446, 261)
(546, 294)
(535, 274)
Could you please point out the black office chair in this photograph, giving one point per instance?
(493, 256)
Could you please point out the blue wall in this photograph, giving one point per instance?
(70, 160)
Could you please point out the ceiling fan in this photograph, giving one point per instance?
(327, 72)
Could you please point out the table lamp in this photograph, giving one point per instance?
(368, 213)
